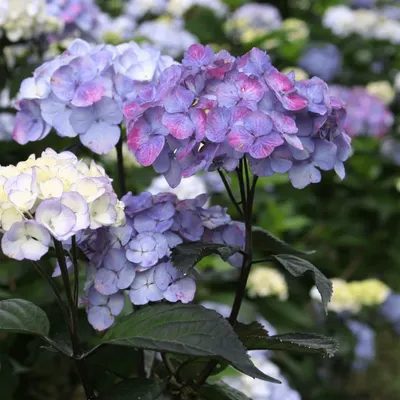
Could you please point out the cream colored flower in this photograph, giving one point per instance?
(265, 281)
(381, 89)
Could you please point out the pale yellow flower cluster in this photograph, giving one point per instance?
(265, 281)
(381, 89)
(86, 190)
(352, 296)
(23, 19)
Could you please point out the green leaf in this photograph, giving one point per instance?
(21, 316)
(134, 389)
(184, 329)
(220, 391)
(255, 337)
(298, 267)
(301, 342)
(186, 255)
(265, 242)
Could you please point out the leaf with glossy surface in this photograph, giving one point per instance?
(255, 337)
(265, 242)
(186, 255)
(21, 316)
(303, 342)
(220, 391)
(184, 329)
(298, 267)
(135, 389)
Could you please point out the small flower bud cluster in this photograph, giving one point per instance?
(352, 296)
(81, 92)
(136, 257)
(366, 114)
(214, 109)
(53, 195)
(24, 19)
(373, 24)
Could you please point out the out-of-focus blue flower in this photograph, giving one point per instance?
(390, 310)
(324, 61)
(364, 351)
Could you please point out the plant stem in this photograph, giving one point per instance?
(56, 291)
(120, 167)
(76, 271)
(73, 324)
(170, 367)
(230, 193)
(141, 372)
(247, 192)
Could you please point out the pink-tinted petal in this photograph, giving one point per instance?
(250, 89)
(265, 145)
(88, 93)
(149, 151)
(139, 134)
(294, 141)
(293, 102)
(283, 123)
(279, 82)
(240, 139)
(179, 125)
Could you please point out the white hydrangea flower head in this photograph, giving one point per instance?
(58, 193)
(339, 19)
(265, 281)
(253, 21)
(178, 8)
(139, 8)
(23, 19)
(189, 188)
(168, 35)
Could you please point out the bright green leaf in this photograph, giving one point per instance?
(184, 329)
(298, 267)
(186, 255)
(21, 316)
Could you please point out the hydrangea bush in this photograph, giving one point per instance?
(239, 116)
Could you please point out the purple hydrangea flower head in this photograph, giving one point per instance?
(214, 109)
(84, 91)
(366, 115)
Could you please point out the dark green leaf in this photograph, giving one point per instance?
(301, 342)
(297, 267)
(253, 335)
(118, 360)
(21, 316)
(265, 242)
(186, 255)
(135, 389)
(220, 391)
(184, 329)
